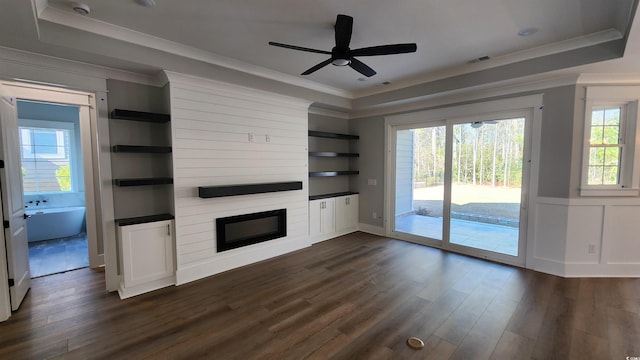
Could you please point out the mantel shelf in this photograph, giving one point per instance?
(142, 149)
(143, 181)
(332, 173)
(332, 154)
(121, 114)
(330, 135)
(247, 189)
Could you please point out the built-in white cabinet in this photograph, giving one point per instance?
(321, 219)
(346, 213)
(332, 217)
(147, 257)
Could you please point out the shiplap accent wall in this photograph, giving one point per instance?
(224, 134)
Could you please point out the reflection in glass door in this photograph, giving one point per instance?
(419, 185)
(486, 186)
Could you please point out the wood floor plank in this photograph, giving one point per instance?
(359, 296)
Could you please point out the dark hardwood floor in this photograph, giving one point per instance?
(355, 297)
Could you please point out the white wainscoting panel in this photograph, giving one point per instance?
(600, 237)
(623, 235)
(550, 235)
(224, 134)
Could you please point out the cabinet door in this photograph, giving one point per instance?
(315, 207)
(147, 252)
(327, 217)
(353, 211)
(346, 212)
(342, 211)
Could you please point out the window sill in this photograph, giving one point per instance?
(610, 192)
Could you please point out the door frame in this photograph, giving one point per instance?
(459, 114)
(89, 128)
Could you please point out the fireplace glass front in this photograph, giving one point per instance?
(242, 230)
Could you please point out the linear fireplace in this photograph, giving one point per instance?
(242, 230)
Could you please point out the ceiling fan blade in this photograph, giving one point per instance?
(344, 27)
(317, 67)
(361, 67)
(385, 50)
(293, 47)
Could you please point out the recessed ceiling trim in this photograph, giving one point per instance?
(327, 112)
(485, 91)
(499, 60)
(607, 79)
(101, 28)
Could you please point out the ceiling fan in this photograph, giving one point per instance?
(341, 55)
(478, 124)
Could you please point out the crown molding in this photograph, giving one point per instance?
(505, 88)
(101, 28)
(609, 79)
(330, 113)
(20, 58)
(500, 60)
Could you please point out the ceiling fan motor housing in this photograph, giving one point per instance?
(340, 57)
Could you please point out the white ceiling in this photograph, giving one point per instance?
(235, 34)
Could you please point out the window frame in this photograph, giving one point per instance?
(626, 98)
(73, 159)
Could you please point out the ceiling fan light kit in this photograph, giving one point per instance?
(342, 55)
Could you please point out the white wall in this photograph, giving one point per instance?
(211, 123)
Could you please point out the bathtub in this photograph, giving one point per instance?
(54, 223)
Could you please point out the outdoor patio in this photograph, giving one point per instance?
(492, 237)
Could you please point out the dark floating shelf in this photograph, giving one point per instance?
(330, 135)
(143, 219)
(332, 154)
(141, 182)
(121, 114)
(332, 195)
(206, 192)
(332, 173)
(142, 149)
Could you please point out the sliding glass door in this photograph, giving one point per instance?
(459, 185)
(419, 185)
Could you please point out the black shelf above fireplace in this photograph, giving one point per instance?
(206, 192)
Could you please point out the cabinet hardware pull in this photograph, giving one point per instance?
(168, 230)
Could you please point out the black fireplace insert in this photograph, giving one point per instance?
(242, 230)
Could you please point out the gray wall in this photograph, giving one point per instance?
(371, 166)
(556, 146)
(328, 185)
(558, 176)
(139, 200)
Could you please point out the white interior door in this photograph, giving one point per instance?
(15, 229)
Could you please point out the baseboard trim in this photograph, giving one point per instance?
(372, 229)
(144, 288)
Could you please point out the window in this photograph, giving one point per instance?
(610, 160)
(606, 146)
(47, 156)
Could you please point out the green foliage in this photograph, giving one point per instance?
(63, 175)
(24, 172)
(491, 154)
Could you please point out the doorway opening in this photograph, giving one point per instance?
(459, 184)
(53, 186)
